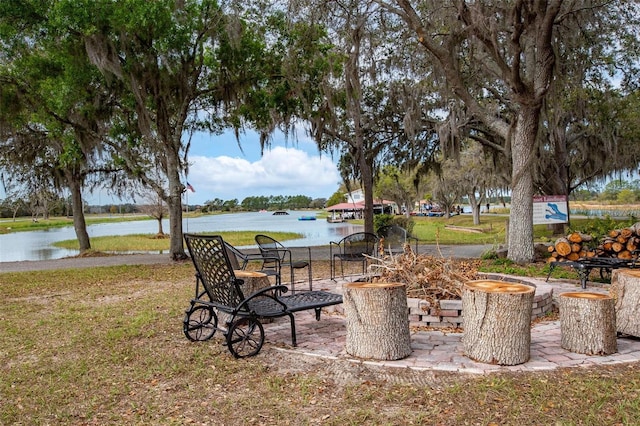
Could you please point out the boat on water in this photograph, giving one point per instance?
(307, 218)
(280, 213)
(335, 219)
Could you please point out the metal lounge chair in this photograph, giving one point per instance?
(352, 248)
(219, 291)
(270, 248)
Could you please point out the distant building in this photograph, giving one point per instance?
(353, 206)
(355, 197)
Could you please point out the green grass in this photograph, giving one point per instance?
(430, 230)
(434, 229)
(150, 242)
(105, 346)
(26, 224)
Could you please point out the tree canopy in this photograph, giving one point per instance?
(547, 89)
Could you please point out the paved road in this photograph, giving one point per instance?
(317, 253)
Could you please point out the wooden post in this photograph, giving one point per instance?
(588, 323)
(497, 321)
(377, 320)
(625, 290)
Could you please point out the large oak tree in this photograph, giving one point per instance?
(498, 58)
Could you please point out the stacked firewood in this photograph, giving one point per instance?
(619, 243)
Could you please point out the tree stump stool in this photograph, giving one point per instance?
(588, 323)
(253, 281)
(625, 290)
(377, 320)
(497, 321)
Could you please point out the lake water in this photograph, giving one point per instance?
(37, 245)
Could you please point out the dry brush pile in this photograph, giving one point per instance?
(426, 277)
(619, 243)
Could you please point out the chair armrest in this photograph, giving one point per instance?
(338, 247)
(245, 259)
(286, 253)
(409, 237)
(259, 257)
(289, 252)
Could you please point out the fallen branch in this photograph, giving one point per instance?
(426, 277)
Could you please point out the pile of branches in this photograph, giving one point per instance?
(426, 277)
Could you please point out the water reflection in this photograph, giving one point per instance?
(37, 245)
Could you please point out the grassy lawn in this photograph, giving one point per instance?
(105, 346)
(150, 242)
(26, 224)
(459, 230)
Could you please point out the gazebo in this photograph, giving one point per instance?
(342, 211)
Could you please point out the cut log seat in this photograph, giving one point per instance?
(588, 323)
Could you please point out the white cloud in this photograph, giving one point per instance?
(280, 171)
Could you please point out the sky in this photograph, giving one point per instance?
(220, 169)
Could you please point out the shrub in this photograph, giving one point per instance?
(381, 220)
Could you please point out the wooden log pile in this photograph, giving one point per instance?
(618, 243)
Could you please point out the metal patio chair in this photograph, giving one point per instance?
(240, 260)
(270, 249)
(393, 239)
(354, 247)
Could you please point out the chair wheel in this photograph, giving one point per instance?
(245, 337)
(200, 323)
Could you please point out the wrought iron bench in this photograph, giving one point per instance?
(219, 292)
(585, 265)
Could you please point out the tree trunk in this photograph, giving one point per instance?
(625, 289)
(174, 203)
(366, 174)
(588, 323)
(475, 208)
(253, 281)
(377, 319)
(77, 207)
(520, 248)
(497, 321)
